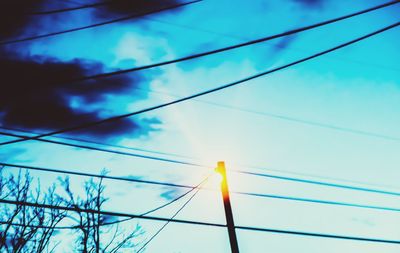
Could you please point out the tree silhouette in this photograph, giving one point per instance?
(90, 226)
(28, 229)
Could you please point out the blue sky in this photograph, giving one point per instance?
(356, 87)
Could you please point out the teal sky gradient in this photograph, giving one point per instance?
(356, 88)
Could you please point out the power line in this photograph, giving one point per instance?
(281, 117)
(318, 201)
(307, 122)
(277, 116)
(115, 118)
(172, 217)
(216, 51)
(166, 204)
(315, 182)
(289, 198)
(32, 226)
(94, 142)
(108, 213)
(267, 175)
(241, 38)
(308, 234)
(126, 179)
(318, 176)
(293, 179)
(132, 16)
(108, 150)
(127, 219)
(81, 7)
(179, 155)
(189, 222)
(197, 187)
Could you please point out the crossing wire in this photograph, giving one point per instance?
(188, 157)
(156, 158)
(198, 223)
(131, 16)
(216, 51)
(91, 142)
(107, 213)
(266, 175)
(172, 217)
(203, 93)
(289, 198)
(124, 220)
(85, 174)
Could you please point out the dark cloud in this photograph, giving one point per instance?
(133, 6)
(311, 3)
(34, 93)
(285, 42)
(15, 20)
(13, 17)
(35, 96)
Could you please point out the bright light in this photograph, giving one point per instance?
(218, 176)
(215, 180)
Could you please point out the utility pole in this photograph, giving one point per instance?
(228, 208)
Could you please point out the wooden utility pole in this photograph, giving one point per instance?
(228, 208)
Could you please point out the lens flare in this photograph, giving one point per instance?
(218, 176)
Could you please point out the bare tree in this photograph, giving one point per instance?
(27, 229)
(90, 226)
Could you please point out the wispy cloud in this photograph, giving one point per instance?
(311, 3)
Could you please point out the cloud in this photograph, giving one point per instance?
(13, 17)
(11, 154)
(170, 194)
(34, 93)
(311, 3)
(36, 96)
(285, 42)
(15, 20)
(128, 7)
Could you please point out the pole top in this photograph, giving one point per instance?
(220, 167)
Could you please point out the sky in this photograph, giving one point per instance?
(334, 118)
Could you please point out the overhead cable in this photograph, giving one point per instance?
(76, 173)
(119, 221)
(190, 222)
(127, 179)
(172, 217)
(320, 235)
(108, 213)
(235, 46)
(81, 7)
(322, 183)
(131, 16)
(203, 93)
(188, 157)
(91, 142)
(156, 158)
(318, 201)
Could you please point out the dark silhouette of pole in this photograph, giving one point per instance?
(228, 208)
